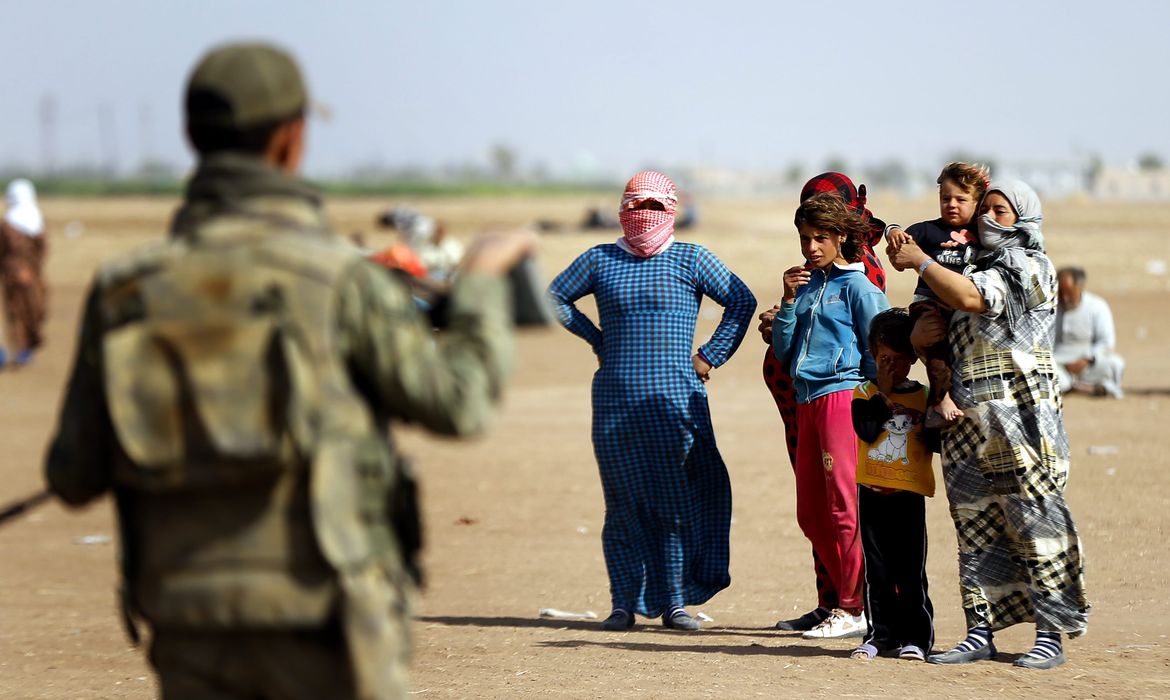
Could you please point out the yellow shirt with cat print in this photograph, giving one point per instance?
(898, 458)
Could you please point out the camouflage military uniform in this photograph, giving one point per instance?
(232, 388)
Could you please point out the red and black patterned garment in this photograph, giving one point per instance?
(776, 376)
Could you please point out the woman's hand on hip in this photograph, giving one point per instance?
(702, 367)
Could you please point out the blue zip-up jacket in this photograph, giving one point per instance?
(821, 337)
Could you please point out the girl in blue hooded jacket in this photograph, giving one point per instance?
(819, 334)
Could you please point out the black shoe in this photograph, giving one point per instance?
(1028, 661)
(954, 656)
(618, 621)
(805, 622)
(678, 619)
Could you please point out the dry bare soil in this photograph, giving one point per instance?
(514, 518)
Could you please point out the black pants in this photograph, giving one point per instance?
(893, 539)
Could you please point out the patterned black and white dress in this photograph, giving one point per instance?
(1006, 464)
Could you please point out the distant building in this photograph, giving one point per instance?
(1131, 184)
(711, 180)
(1049, 178)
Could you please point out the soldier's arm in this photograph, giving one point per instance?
(78, 467)
(449, 381)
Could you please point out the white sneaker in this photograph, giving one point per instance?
(839, 625)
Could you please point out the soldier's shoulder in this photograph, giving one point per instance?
(138, 263)
(319, 255)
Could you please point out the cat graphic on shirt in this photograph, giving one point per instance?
(893, 448)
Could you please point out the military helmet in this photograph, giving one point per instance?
(238, 86)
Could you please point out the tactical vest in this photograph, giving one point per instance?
(254, 488)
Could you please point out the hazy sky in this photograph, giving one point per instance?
(755, 84)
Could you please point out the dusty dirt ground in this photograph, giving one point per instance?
(514, 518)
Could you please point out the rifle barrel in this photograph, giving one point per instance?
(18, 508)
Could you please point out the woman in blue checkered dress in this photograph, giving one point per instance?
(667, 493)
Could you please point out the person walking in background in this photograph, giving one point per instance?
(22, 259)
(895, 476)
(820, 335)
(1084, 347)
(948, 240)
(1006, 461)
(233, 388)
(667, 492)
(779, 383)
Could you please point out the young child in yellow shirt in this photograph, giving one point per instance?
(894, 477)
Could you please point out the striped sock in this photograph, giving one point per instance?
(977, 638)
(1047, 646)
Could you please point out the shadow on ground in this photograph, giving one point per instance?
(712, 634)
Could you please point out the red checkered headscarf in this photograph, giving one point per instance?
(854, 197)
(648, 231)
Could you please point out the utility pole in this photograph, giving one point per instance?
(145, 138)
(109, 140)
(49, 134)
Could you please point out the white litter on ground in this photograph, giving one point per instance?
(1103, 449)
(92, 539)
(74, 228)
(566, 614)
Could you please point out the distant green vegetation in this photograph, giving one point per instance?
(477, 188)
(70, 186)
(101, 187)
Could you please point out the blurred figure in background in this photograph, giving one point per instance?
(22, 258)
(427, 238)
(1083, 352)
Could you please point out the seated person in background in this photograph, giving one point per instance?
(1083, 351)
(597, 218)
(436, 250)
(688, 214)
(427, 238)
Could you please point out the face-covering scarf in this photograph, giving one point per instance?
(1008, 247)
(1025, 233)
(23, 213)
(646, 232)
(854, 198)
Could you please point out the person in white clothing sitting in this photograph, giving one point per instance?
(1084, 348)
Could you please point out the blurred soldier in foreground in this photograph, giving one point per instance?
(232, 388)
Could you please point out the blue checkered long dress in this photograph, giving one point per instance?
(667, 494)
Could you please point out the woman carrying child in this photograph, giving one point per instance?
(667, 492)
(1005, 462)
(819, 335)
